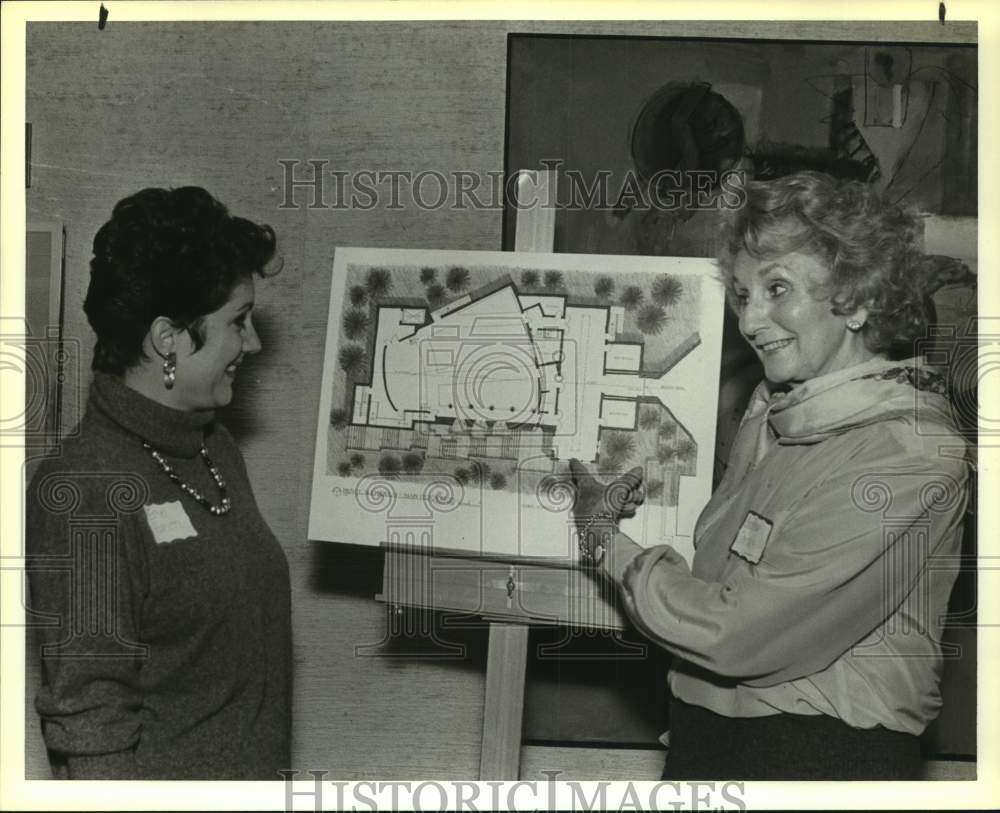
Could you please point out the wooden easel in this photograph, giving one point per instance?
(494, 590)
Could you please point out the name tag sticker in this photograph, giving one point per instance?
(752, 538)
(169, 522)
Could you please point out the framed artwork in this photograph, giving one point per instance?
(42, 353)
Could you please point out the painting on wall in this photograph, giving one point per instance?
(462, 383)
(37, 344)
(631, 123)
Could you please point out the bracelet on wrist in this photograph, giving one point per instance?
(593, 542)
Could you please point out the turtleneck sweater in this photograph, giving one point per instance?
(824, 560)
(166, 630)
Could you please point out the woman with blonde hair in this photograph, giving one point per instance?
(806, 633)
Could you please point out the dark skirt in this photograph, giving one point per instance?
(705, 745)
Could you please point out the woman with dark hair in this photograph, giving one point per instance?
(806, 632)
(168, 653)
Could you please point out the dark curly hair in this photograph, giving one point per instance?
(166, 252)
(870, 246)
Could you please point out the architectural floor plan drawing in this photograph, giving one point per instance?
(458, 385)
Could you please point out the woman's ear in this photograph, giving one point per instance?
(163, 335)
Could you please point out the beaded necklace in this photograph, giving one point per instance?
(217, 510)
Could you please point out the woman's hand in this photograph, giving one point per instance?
(614, 499)
(599, 507)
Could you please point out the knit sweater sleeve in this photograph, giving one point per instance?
(84, 584)
(833, 570)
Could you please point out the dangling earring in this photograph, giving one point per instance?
(169, 370)
(854, 325)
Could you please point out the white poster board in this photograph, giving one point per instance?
(457, 385)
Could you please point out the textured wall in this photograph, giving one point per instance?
(218, 105)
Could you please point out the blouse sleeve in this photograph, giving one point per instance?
(837, 566)
(84, 594)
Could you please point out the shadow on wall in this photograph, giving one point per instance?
(409, 633)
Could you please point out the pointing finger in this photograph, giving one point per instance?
(633, 478)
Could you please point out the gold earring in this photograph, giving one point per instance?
(169, 370)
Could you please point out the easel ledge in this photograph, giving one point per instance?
(515, 592)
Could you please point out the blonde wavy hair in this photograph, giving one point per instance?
(871, 247)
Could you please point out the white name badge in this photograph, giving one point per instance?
(752, 538)
(169, 522)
